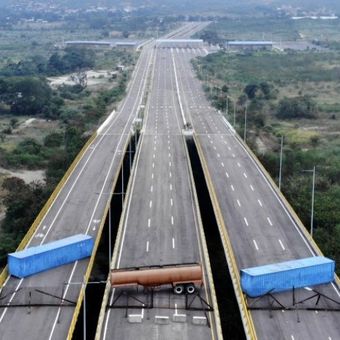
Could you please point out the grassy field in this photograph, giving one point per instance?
(277, 29)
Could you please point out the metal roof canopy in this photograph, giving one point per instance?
(180, 40)
(237, 43)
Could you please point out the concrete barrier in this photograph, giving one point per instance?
(161, 320)
(181, 318)
(135, 318)
(199, 320)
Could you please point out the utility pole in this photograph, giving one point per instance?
(234, 113)
(280, 172)
(312, 209)
(245, 124)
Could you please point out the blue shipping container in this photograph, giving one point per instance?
(50, 255)
(284, 276)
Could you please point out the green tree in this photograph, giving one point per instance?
(28, 95)
(297, 107)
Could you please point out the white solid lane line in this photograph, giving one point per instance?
(269, 221)
(281, 244)
(246, 221)
(255, 244)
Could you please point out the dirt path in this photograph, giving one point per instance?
(27, 175)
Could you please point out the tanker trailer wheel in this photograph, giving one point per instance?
(179, 289)
(190, 288)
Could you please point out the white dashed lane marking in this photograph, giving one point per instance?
(282, 246)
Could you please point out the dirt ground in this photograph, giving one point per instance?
(94, 78)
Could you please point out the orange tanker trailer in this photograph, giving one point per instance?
(182, 277)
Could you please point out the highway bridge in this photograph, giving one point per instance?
(161, 221)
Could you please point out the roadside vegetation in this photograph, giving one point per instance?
(294, 95)
(43, 126)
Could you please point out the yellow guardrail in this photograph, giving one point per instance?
(232, 265)
(94, 252)
(48, 204)
(204, 246)
(294, 215)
